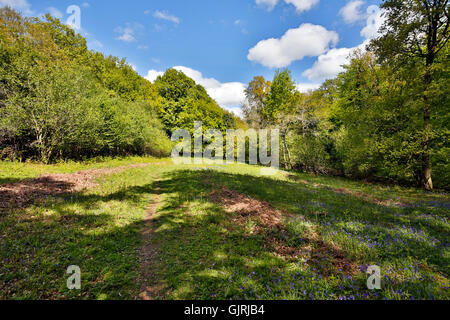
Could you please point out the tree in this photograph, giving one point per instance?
(278, 105)
(256, 94)
(60, 100)
(416, 30)
(184, 102)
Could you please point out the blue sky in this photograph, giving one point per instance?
(223, 44)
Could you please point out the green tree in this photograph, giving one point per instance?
(416, 30)
(256, 93)
(279, 104)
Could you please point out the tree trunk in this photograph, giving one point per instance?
(426, 157)
(288, 164)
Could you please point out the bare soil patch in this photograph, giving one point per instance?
(325, 258)
(25, 192)
(235, 202)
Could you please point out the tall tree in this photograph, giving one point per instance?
(256, 94)
(278, 105)
(416, 30)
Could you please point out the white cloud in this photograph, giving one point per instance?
(127, 33)
(127, 36)
(305, 87)
(302, 5)
(166, 16)
(153, 74)
(330, 64)
(228, 95)
(352, 11)
(374, 22)
(20, 5)
(55, 12)
(236, 110)
(307, 40)
(269, 4)
(197, 76)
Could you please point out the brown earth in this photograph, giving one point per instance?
(150, 286)
(19, 194)
(326, 258)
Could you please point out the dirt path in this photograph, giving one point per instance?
(150, 286)
(25, 192)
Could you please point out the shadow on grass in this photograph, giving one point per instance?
(24, 193)
(202, 254)
(389, 233)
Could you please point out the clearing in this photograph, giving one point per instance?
(143, 228)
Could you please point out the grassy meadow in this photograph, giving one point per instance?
(222, 232)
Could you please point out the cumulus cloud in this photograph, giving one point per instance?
(228, 95)
(302, 5)
(153, 74)
(306, 40)
(352, 11)
(330, 64)
(20, 5)
(164, 15)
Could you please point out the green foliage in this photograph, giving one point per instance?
(59, 100)
(185, 102)
(367, 123)
(279, 99)
(256, 94)
(416, 33)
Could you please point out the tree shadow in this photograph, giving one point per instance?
(202, 254)
(393, 239)
(205, 255)
(26, 192)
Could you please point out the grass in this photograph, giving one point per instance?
(11, 172)
(204, 254)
